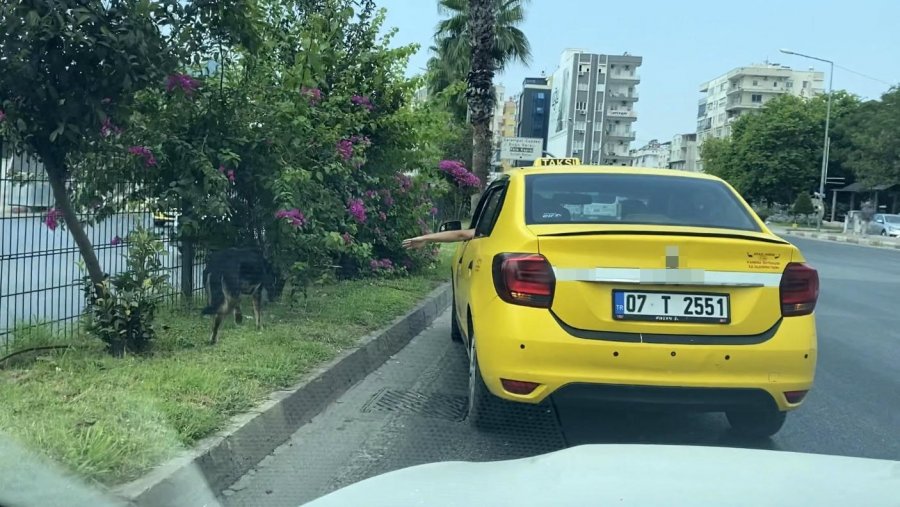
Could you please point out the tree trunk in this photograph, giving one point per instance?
(57, 178)
(480, 82)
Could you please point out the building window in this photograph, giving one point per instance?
(756, 98)
(755, 82)
(584, 68)
(581, 106)
(775, 84)
(539, 110)
(541, 95)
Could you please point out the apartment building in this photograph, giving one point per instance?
(508, 121)
(744, 89)
(683, 152)
(534, 109)
(654, 155)
(592, 107)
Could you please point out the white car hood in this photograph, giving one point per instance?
(635, 475)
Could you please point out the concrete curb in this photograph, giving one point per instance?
(196, 476)
(839, 238)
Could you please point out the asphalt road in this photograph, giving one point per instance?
(410, 411)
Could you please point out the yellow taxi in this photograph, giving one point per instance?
(630, 285)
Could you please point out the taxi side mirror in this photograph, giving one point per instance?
(453, 225)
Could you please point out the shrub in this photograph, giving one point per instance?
(123, 317)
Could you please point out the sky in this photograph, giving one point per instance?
(684, 43)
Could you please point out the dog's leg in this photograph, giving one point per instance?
(257, 314)
(238, 316)
(217, 321)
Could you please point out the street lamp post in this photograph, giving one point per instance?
(824, 174)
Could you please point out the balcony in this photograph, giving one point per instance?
(632, 77)
(621, 134)
(755, 89)
(738, 104)
(624, 96)
(621, 114)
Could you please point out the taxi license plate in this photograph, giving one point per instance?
(671, 307)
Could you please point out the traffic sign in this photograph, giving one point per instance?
(521, 148)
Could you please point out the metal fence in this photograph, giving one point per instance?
(40, 273)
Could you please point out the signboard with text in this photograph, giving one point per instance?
(521, 148)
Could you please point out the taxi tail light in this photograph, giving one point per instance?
(799, 289)
(518, 386)
(524, 279)
(795, 396)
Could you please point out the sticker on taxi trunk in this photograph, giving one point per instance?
(764, 261)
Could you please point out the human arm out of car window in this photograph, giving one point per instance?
(439, 237)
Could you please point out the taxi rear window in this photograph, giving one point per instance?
(634, 199)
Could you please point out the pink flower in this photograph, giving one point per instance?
(433, 212)
(293, 217)
(385, 264)
(370, 194)
(404, 181)
(222, 169)
(52, 219)
(348, 239)
(345, 149)
(363, 141)
(185, 83)
(145, 153)
(362, 101)
(2, 115)
(231, 175)
(388, 200)
(459, 173)
(115, 241)
(107, 128)
(382, 216)
(313, 94)
(357, 210)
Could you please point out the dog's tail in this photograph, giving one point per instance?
(215, 293)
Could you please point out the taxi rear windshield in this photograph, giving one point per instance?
(634, 199)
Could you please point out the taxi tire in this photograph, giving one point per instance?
(455, 332)
(756, 423)
(485, 410)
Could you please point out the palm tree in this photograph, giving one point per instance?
(477, 38)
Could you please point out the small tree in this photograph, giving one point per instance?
(803, 206)
(70, 71)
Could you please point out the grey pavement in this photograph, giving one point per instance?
(410, 411)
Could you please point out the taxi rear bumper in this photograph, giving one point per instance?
(531, 345)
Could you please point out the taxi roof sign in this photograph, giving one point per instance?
(556, 161)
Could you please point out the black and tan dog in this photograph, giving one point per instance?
(230, 273)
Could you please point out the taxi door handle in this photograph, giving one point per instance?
(470, 264)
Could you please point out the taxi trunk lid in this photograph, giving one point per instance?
(739, 272)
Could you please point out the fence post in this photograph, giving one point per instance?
(187, 271)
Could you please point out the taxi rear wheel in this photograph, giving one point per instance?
(756, 423)
(455, 332)
(484, 408)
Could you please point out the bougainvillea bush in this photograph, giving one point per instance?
(323, 163)
(289, 127)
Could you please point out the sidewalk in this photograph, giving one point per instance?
(838, 237)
